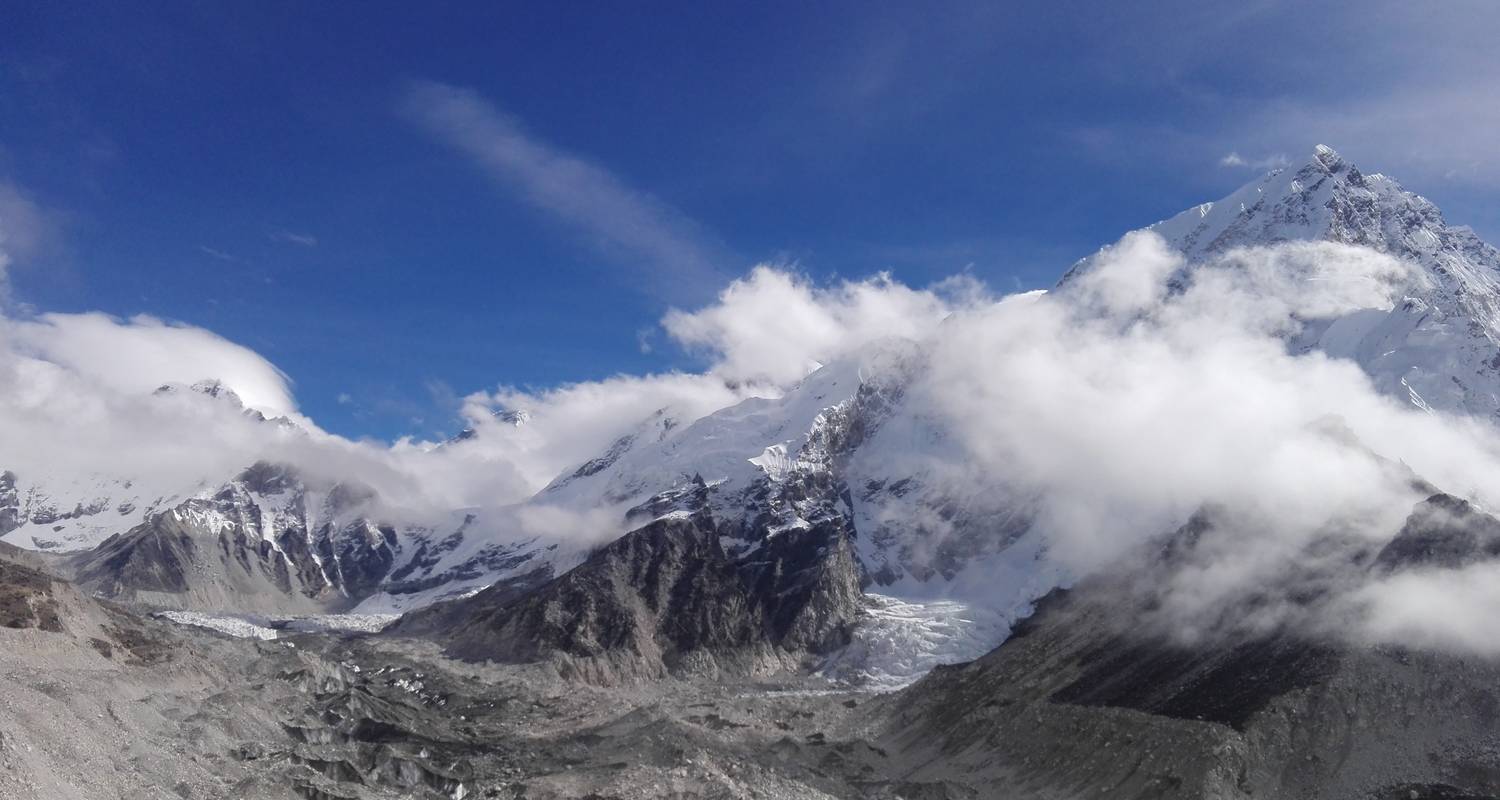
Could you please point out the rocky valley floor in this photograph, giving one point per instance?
(193, 714)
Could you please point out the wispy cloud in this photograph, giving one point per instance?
(22, 228)
(617, 218)
(1234, 159)
(289, 237)
(217, 254)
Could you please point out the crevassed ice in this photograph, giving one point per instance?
(900, 640)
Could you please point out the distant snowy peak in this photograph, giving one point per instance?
(514, 419)
(216, 390)
(1330, 199)
(1439, 347)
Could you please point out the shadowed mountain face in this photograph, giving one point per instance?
(1094, 693)
(666, 598)
(1443, 532)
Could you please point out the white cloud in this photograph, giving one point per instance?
(217, 254)
(1234, 159)
(1445, 609)
(22, 227)
(775, 326)
(763, 333)
(300, 239)
(1122, 409)
(572, 423)
(137, 355)
(665, 245)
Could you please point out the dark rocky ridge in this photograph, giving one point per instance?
(1443, 532)
(665, 599)
(10, 503)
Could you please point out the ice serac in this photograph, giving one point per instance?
(1439, 346)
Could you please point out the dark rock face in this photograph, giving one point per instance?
(1443, 532)
(1227, 684)
(805, 583)
(265, 478)
(10, 503)
(443, 618)
(165, 557)
(664, 599)
(26, 598)
(153, 558)
(656, 594)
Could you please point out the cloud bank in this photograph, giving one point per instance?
(1142, 393)
(137, 355)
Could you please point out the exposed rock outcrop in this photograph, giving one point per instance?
(665, 599)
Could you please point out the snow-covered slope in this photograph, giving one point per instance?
(746, 455)
(61, 513)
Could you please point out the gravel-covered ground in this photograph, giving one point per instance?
(178, 711)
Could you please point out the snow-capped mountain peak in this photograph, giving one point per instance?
(1439, 347)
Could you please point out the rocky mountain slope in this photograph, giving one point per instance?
(138, 707)
(665, 599)
(1100, 691)
(273, 541)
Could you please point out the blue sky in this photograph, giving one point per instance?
(402, 203)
